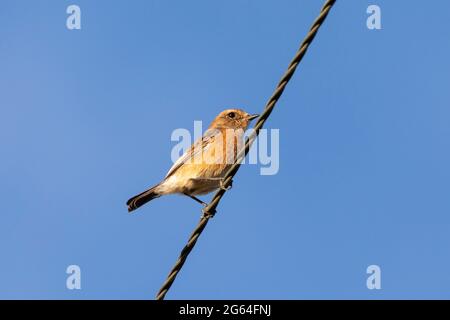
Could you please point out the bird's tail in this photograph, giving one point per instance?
(142, 198)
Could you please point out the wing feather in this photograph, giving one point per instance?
(201, 145)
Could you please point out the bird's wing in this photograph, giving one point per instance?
(201, 145)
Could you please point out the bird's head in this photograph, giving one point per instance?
(232, 119)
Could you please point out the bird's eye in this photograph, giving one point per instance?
(231, 115)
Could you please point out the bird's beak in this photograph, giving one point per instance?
(252, 116)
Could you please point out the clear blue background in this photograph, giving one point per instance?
(85, 123)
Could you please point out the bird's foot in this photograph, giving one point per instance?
(208, 213)
(223, 187)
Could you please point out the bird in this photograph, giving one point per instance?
(201, 168)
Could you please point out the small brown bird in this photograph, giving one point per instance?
(201, 168)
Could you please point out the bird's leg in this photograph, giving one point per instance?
(221, 182)
(196, 199)
(209, 214)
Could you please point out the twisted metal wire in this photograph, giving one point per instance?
(210, 210)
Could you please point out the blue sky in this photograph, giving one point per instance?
(86, 119)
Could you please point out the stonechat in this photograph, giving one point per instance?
(200, 170)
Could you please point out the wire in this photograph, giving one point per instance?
(210, 210)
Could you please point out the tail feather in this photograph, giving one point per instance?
(142, 198)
